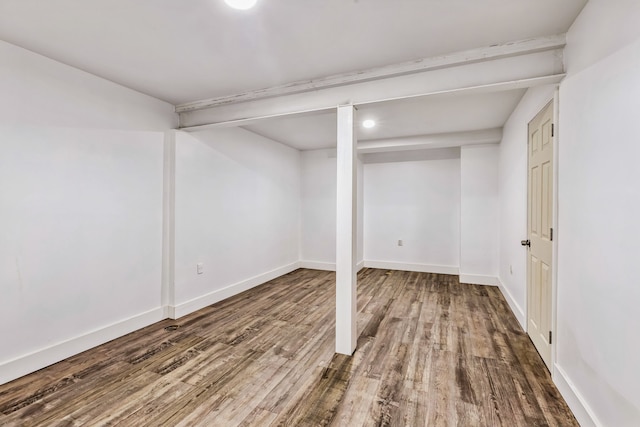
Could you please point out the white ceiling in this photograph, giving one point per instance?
(397, 119)
(187, 50)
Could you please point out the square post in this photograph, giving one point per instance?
(346, 232)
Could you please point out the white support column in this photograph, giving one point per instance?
(346, 231)
(168, 224)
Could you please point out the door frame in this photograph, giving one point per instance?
(555, 100)
(556, 232)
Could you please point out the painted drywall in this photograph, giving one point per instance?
(479, 214)
(237, 212)
(417, 202)
(81, 246)
(512, 166)
(81, 200)
(602, 28)
(318, 208)
(40, 91)
(596, 345)
(480, 200)
(598, 293)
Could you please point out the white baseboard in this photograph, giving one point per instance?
(421, 268)
(582, 411)
(169, 312)
(325, 266)
(475, 279)
(317, 265)
(515, 307)
(218, 295)
(23, 365)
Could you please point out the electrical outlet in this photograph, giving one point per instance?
(200, 268)
(400, 243)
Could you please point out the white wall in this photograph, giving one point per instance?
(598, 294)
(318, 209)
(512, 269)
(237, 212)
(598, 205)
(40, 91)
(417, 202)
(392, 186)
(479, 214)
(81, 243)
(603, 27)
(476, 174)
(81, 208)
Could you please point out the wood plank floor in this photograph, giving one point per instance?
(431, 352)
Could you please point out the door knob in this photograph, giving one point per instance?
(525, 242)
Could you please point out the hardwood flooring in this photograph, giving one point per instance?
(431, 352)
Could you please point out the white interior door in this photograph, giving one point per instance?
(540, 232)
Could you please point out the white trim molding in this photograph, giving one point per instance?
(325, 266)
(26, 364)
(577, 403)
(318, 265)
(515, 307)
(218, 295)
(420, 268)
(475, 279)
(23, 365)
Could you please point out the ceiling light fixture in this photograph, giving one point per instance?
(368, 123)
(241, 4)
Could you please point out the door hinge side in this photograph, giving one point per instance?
(553, 130)
(549, 337)
(551, 234)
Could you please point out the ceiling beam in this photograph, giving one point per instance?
(442, 140)
(518, 70)
(256, 119)
(488, 53)
(412, 155)
(488, 88)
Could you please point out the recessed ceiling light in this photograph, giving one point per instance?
(241, 4)
(368, 123)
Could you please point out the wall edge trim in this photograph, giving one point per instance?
(318, 265)
(479, 279)
(515, 307)
(325, 266)
(218, 295)
(577, 403)
(31, 362)
(421, 268)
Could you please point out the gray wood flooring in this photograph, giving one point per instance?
(431, 352)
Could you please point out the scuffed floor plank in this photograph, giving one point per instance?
(319, 406)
